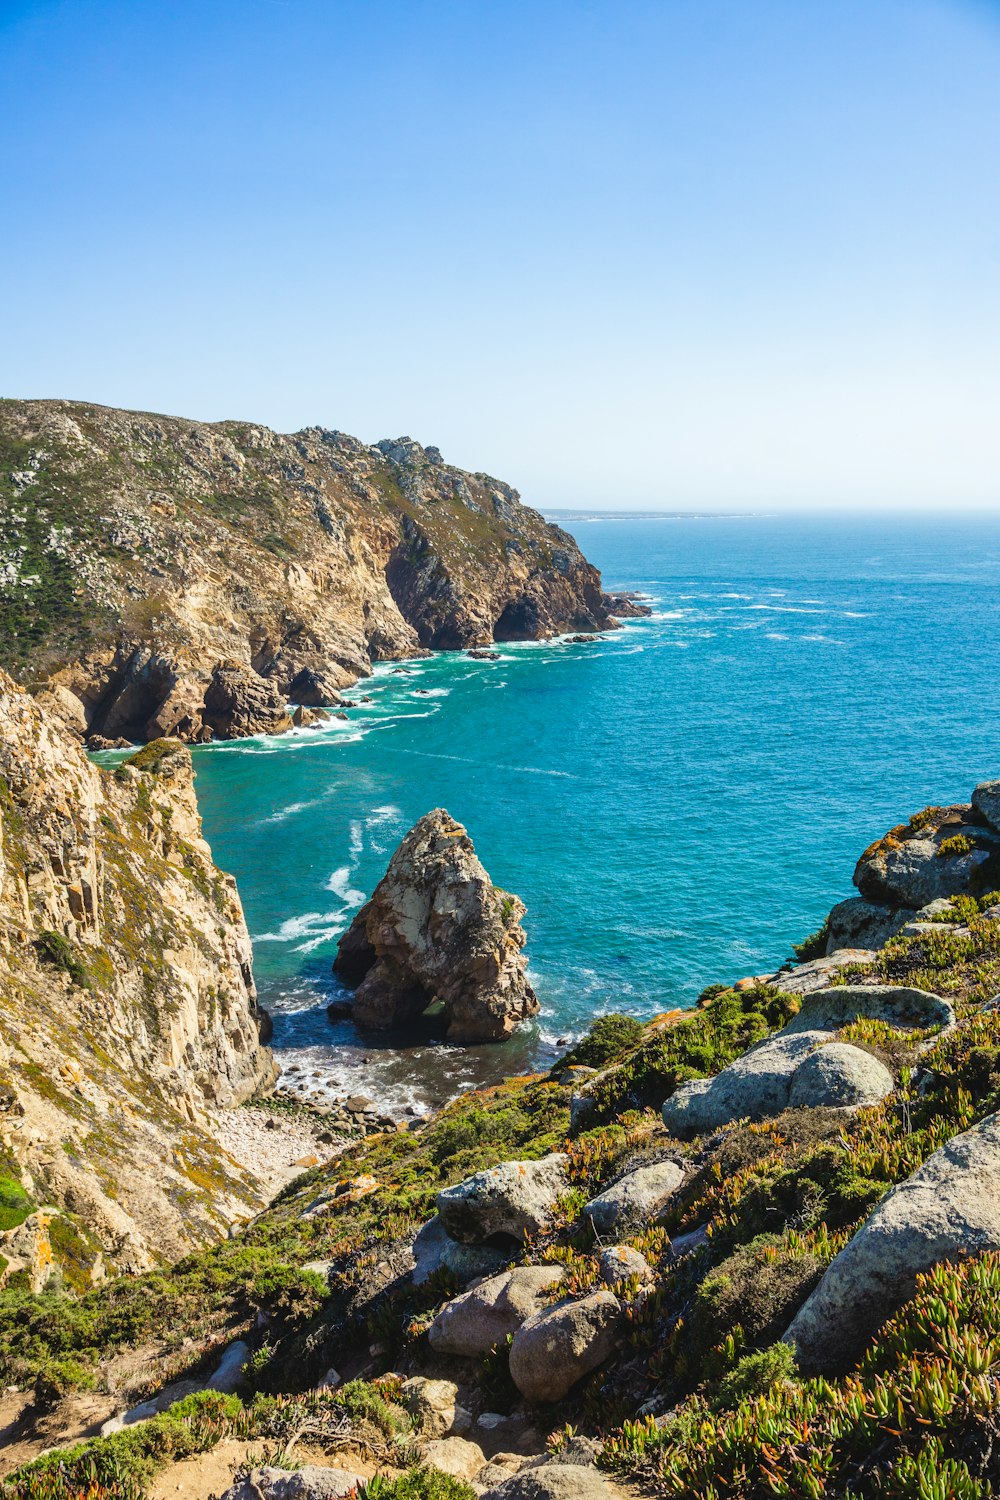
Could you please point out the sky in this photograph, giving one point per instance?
(669, 254)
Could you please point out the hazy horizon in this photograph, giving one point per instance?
(656, 255)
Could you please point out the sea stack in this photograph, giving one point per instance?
(437, 930)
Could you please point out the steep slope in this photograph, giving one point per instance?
(187, 579)
(652, 1298)
(127, 1006)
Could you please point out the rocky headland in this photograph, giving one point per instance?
(171, 578)
(751, 1249)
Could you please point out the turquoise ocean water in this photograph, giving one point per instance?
(676, 803)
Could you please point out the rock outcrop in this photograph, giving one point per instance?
(438, 932)
(949, 1209)
(127, 1004)
(942, 852)
(636, 1198)
(505, 1202)
(188, 579)
(803, 1065)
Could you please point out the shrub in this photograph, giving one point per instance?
(53, 948)
(754, 1375)
(814, 946)
(419, 1483)
(609, 1037)
(959, 843)
(15, 1205)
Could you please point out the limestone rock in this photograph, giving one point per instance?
(437, 929)
(558, 1346)
(508, 1201)
(472, 1323)
(948, 1209)
(308, 1483)
(635, 1198)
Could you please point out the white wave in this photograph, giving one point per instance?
(774, 635)
(340, 884)
(823, 640)
(471, 760)
(284, 813)
(434, 692)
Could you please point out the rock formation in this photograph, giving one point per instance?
(127, 1003)
(184, 579)
(437, 931)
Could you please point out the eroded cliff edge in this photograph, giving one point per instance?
(127, 1005)
(188, 579)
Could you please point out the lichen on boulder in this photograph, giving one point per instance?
(438, 931)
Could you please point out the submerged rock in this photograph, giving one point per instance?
(437, 930)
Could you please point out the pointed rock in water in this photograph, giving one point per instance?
(438, 930)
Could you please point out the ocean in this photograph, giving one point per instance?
(676, 803)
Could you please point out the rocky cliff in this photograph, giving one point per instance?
(127, 1007)
(188, 579)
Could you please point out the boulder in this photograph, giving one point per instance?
(437, 930)
(239, 702)
(621, 1263)
(857, 923)
(818, 973)
(896, 1004)
(434, 1406)
(434, 1250)
(635, 1198)
(555, 1348)
(456, 1456)
(308, 1483)
(986, 801)
(839, 1075)
(949, 1209)
(228, 1373)
(909, 867)
(507, 1202)
(803, 1065)
(471, 1324)
(552, 1481)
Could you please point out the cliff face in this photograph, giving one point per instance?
(178, 578)
(127, 1004)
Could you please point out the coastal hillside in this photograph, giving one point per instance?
(748, 1250)
(127, 1011)
(187, 579)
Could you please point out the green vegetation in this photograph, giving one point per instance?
(814, 946)
(419, 1483)
(15, 1205)
(958, 844)
(608, 1037)
(54, 949)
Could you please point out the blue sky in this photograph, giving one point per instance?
(682, 254)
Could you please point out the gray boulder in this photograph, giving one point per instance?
(471, 1324)
(554, 1349)
(635, 1198)
(838, 1075)
(986, 801)
(434, 1250)
(510, 1200)
(307, 1483)
(857, 923)
(898, 1005)
(948, 1209)
(908, 868)
(434, 1406)
(552, 1481)
(817, 973)
(228, 1373)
